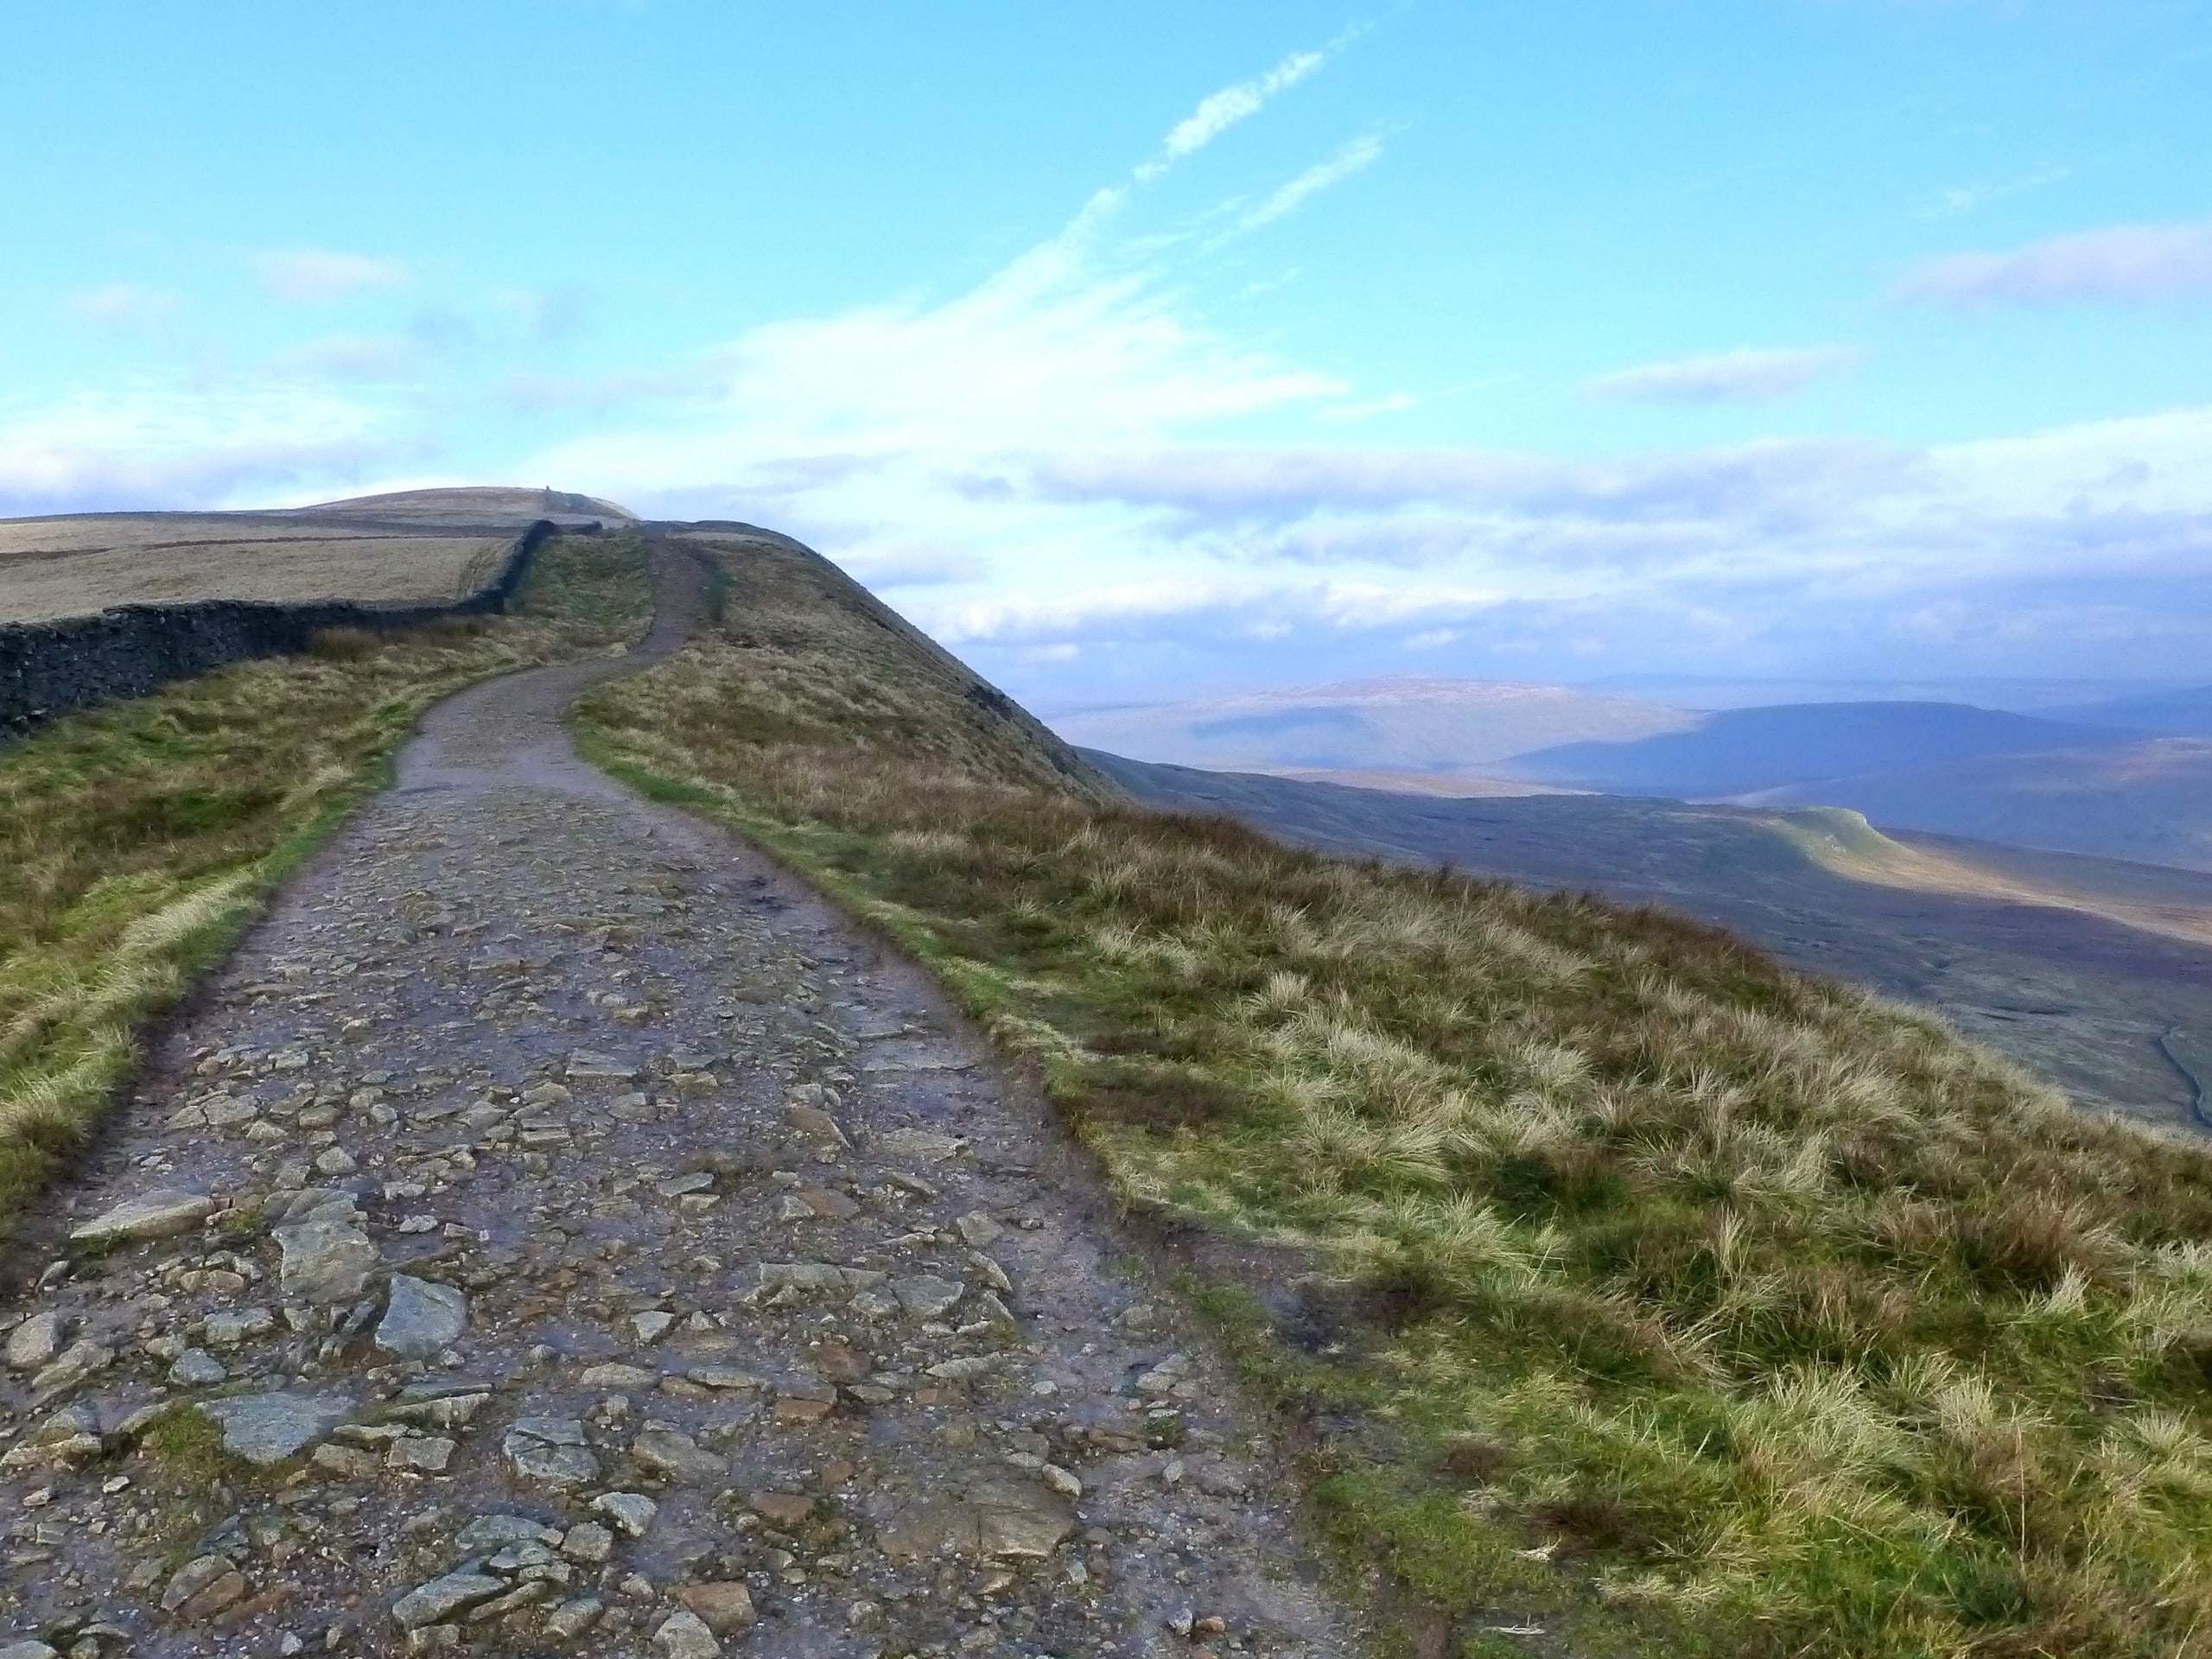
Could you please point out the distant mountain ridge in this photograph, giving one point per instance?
(1739, 750)
(2127, 777)
(1404, 724)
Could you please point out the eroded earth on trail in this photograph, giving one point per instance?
(557, 1230)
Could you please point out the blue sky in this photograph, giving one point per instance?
(1136, 349)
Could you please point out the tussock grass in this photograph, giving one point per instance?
(137, 840)
(1655, 1293)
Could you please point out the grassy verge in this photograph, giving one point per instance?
(1628, 1286)
(137, 841)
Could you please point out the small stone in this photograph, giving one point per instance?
(1063, 1481)
(551, 1449)
(813, 1121)
(828, 1205)
(784, 1509)
(676, 1455)
(977, 1228)
(572, 1619)
(526, 1594)
(32, 1345)
(722, 1607)
(441, 1598)
(588, 1542)
(212, 1600)
(151, 1214)
(685, 1635)
(926, 1296)
(267, 1428)
(195, 1576)
(618, 1377)
(345, 1462)
(80, 1360)
(421, 1319)
(198, 1370)
(229, 1330)
(727, 1379)
(804, 1400)
(223, 1113)
(817, 1276)
(652, 1324)
(335, 1161)
(966, 1368)
(1000, 1519)
(923, 1146)
(326, 1256)
(487, 1533)
(424, 1454)
(840, 1361)
(585, 1067)
(28, 1651)
(631, 1512)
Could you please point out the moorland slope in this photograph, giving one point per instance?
(1628, 1286)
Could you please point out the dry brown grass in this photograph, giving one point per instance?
(1686, 1303)
(54, 568)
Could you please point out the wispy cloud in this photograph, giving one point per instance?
(168, 447)
(1218, 112)
(307, 276)
(1728, 376)
(2135, 263)
(125, 304)
(1287, 198)
(1966, 198)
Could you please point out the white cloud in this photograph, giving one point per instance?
(170, 446)
(2135, 264)
(353, 356)
(124, 304)
(1729, 376)
(1360, 152)
(311, 275)
(1218, 112)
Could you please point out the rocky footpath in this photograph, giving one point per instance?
(557, 1231)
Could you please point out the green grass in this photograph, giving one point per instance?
(1616, 1280)
(138, 839)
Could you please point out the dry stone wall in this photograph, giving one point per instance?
(55, 667)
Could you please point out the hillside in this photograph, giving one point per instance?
(1604, 1261)
(2074, 968)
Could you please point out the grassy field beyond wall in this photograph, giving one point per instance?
(1629, 1293)
(137, 841)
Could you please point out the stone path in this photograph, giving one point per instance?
(579, 1239)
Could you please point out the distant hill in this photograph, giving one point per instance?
(1400, 724)
(1740, 751)
(2149, 800)
(414, 545)
(2166, 714)
(495, 504)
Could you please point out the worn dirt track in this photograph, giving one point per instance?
(582, 1239)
